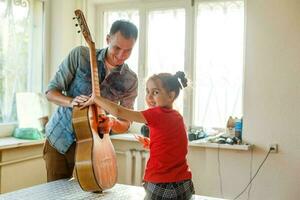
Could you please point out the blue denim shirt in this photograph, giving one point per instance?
(73, 78)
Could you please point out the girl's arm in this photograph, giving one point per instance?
(116, 110)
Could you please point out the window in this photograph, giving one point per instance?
(165, 49)
(205, 40)
(219, 62)
(21, 55)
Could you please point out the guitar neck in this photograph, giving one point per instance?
(95, 79)
(93, 64)
(88, 38)
(94, 71)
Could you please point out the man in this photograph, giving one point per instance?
(118, 83)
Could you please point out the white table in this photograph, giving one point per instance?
(70, 189)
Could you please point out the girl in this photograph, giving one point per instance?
(167, 175)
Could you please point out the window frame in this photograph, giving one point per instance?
(190, 36)
(8, 127)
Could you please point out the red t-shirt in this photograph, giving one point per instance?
(168, 146)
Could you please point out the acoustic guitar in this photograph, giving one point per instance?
(95, 158)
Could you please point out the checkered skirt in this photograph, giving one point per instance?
(178, 190)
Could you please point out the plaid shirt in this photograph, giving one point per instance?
(74, 78)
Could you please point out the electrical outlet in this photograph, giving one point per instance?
(274, 148)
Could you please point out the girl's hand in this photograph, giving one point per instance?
(145, 141)
(88, 101)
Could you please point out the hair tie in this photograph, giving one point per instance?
(183, 80)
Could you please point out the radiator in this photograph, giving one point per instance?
(136, 161)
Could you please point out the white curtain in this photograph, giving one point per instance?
(14, 54)
(219, 62)
(166, 44)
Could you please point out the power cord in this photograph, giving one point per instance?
(251, 168)
(219, 171)
(271, 149)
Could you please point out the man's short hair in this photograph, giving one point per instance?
(127, 29)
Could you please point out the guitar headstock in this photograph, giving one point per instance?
(83, 27)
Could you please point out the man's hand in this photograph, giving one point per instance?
(145, 141)
(86, 101)
(105, 123)
(79, 101)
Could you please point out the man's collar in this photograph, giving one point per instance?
(101, 55)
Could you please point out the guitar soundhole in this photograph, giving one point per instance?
(101, 135)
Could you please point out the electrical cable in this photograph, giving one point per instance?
(254, 175)
(251, 166)
(219, 171)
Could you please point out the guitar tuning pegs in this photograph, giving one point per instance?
(78, 31)
(76, 24)
(74, 18)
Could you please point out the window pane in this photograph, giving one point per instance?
(219, 62)
(166, 41)
(20, 53)
(132, 16)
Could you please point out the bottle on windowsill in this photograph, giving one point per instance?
(230, 127)
(238, 127)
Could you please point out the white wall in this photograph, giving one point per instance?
(271, 110)
(62, 31)
(62, 34)
(271, 102)
(272, 94)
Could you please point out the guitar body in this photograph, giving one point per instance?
(95, 158)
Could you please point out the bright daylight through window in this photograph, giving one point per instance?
(215, 54)
(20, 53)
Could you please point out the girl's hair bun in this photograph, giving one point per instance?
(180, 75)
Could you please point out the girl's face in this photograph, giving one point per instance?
(156, 95)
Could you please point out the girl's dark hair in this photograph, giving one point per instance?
(127, 29)
(171, 82)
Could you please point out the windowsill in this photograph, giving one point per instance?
(242, 147)
(195, 143)
(11, 142)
